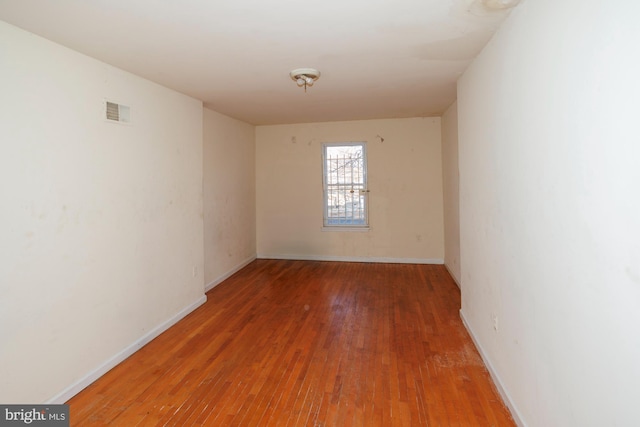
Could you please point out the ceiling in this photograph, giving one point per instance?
(378, 58)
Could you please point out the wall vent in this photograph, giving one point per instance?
(117, 113)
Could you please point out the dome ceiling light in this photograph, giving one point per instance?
(304, 76)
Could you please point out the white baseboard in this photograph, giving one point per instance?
(517, 417)
(228, 274)
(85, 381)
(353, 259)
(455, 279)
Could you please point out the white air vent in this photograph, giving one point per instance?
(117, 113)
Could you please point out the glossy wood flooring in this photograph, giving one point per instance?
(298, 343)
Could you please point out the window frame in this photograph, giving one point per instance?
(325, 187)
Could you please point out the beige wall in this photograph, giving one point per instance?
(405, 179)
(550, 210)
(101, 224)
(229, 196)
(450, 177)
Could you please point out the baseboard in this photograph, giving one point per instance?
(353, 259)
(230, 273)
(455, 279)
(81, 384)
(517, 417)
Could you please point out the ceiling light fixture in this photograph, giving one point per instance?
(305, 76)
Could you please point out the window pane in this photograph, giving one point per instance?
(345, 185)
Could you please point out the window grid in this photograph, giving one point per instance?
(345, 185)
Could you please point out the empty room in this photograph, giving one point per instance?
(368, 213)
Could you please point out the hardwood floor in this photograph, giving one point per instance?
(299, 343)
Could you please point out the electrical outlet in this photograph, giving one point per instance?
(494, 317)
(195, 271)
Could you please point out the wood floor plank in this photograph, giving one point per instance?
(302, 343)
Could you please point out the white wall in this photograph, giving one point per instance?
(101, 224)
(229, 196)
(450, 183)
(550, 210)
(405, 179)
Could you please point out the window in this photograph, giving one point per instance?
(345, 185)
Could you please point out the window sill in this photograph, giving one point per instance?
(345, 228)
